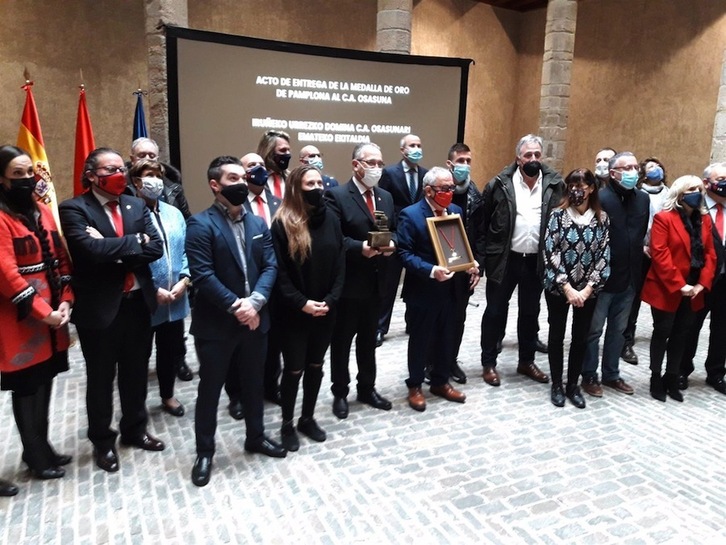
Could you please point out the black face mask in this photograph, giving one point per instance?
(718, 188)
(235, 193)
(21, 192)
(532, 168)
(282, 161)
(257, 175)
(577, 196)
(314, 197)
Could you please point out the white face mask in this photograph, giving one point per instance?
(601, 170)
(151, 187)
(371, 176)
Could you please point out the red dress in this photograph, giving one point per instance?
(25, 299)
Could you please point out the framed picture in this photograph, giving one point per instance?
(450, 242)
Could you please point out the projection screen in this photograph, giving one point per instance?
(225, 91)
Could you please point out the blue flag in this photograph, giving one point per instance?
(139, 119)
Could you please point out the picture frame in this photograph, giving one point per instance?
(450, 242)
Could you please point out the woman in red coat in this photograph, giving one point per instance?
(683, 265)
(35, 307)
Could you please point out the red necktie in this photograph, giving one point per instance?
(261, 212)
(118, 224)
(277, 186)
(369, 202)
(719, 220)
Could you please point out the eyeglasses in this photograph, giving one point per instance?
(372, 163)
(112, 169)
(443, 189)
(628, 168)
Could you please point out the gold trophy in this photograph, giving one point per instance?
(380, 239)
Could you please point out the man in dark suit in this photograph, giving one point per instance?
(112, 239)
(310, 155)
(355, 204)
(714, 179)
(431, 292)
(233, 268)
(403, 181)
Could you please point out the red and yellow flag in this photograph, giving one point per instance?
(85, 142)
(30, 138)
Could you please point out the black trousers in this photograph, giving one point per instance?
(245, 353)
(355, 318)
(557, 310)
(629, 332)
(124, 345)
(716, 358)
(461, 304)
(670, 330)
(392, 278)
(431, 341)
(170, 351)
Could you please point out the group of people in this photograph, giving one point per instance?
(288, 263)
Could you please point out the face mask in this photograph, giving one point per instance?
(257, 175)
(235, 193)
(443, 198)
(461, 173)
(115, 183)
(693, 199)
(415, 155)
(21, 191)
(371, 176)
(532, 168)
(577, 196)
(314, 197)
(601, 170)
(718, 188)
(317, 162)
(654, 174)
(629, 179)
(282, 161)
(151, 187)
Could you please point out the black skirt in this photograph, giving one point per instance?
(26, 381)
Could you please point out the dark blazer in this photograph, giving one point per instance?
(418, 257)
(395, 182)
(363, 276)
(273, 203)
(218, 274)
(670, 251)
(329, 182)
(100, 265)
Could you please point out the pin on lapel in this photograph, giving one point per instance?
(128, 207)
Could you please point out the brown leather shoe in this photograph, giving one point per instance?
(591, 387)
(416, 399)
(448, 393)
(620, 385)
(491, 376)
(532, 371)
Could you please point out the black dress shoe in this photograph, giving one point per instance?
(457, 373)
(575, 396)
(174, 411)
(236, 410)
(718, 385)
(558, 395)
(340, 407)
(144, 442)
(379, 338)
(682, 382)
(273, 397)
(47, 473)
(184, 373)
(375, 400)
(540, 347)
(289, 438)
(628, 355)
(61, 459)
(7, 488)
(267, 447)
(310, 428)
(106, 460)
(202, 470)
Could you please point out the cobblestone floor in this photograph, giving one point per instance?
(506, 467)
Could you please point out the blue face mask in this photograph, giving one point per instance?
(415, 155)
(655, 174)
(257, 175)
(693, 199)
(461, 173)
(629, 179)
(317, 162)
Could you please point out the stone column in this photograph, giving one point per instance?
(718, 143)
(556, 75)
(159, 13)
(393, 26)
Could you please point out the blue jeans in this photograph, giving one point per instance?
(615, 308)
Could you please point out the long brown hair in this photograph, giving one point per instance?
(576, 177)
(293, 214)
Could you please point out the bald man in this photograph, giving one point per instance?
(310, 155)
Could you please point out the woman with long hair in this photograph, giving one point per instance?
(576, 267)
(35, 308)
(311, 270)
(274, 148)
(683, 265)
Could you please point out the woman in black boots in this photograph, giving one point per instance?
(682, 267)
(35, 308)
(311, 269)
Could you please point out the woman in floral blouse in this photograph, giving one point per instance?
(576, 267)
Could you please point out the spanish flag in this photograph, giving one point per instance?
(85, 142)
(30, 138)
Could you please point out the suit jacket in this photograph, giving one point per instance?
(100, 265)
(670, 250)
(218, 274)
(273, 203)
(329, 182)
(363, 276)
(418, 257)
(395, 182)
